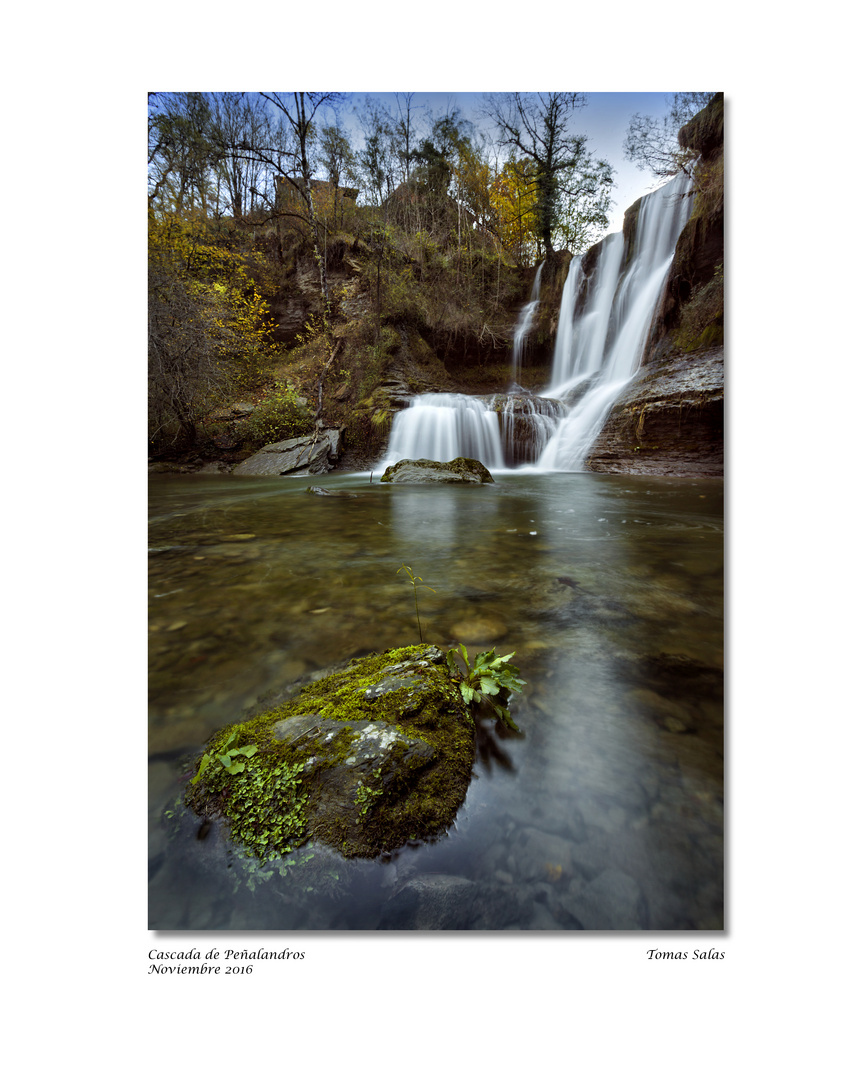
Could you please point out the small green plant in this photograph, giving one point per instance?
(365, 796)
(227, 759)
(279, 415)
(415, 581)
(263, 802)
(487, 677)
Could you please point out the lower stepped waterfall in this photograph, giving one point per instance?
(603, 325)
(444, 426)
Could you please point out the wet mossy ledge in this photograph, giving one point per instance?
(460, 470)
(365, 760)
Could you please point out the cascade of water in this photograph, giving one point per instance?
(597, 351)
(587, 344)
(523, 325)
(609, 336)
(445, 426)
(564, 334)
(527, 424)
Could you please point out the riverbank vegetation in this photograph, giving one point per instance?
(293, 252)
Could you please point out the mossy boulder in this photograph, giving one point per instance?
(374, 755)
(460, 470)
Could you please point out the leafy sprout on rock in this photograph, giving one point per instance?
(488, 677)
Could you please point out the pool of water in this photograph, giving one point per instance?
(606, 813)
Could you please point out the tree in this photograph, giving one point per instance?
(208, 326)
(298, 110)
(652, 142)
(537, 128)
(377, 159)
(514, 203)
(181, 153)
(404, 133)
(238, 120)
(337, 160)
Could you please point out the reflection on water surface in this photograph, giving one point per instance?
(606, 814)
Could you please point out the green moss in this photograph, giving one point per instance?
(701, 324)
(460, 470)
(286, 793)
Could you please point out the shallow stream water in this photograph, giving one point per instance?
(606, 813)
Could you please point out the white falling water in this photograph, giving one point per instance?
(597, 352)
(527, 423)
(445, 426)
(526, 317)
(608, 337)
(579, 354)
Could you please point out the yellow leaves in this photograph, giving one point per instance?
(513, 196)
(206, 286)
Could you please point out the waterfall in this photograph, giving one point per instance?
(608, 337)
(523, 325)
(603, 325)
(445, 426)
(579, 353)
(527, 423)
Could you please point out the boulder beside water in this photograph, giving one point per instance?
(364, 760)
(460, 470)
(304, 456)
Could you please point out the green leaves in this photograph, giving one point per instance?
(468, 693)
(205, 761)
(487, 677)
(226, 760)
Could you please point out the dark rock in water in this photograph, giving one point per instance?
(374, 755)
(333, 494)
(309, 454)
(448, 902)
(423, 471)
(431, 902)
(612, 901)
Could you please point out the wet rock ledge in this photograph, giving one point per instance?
(669, 422)
(374, 755)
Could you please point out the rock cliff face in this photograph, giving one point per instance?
(670, 420)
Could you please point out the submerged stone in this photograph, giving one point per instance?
(333, 494)
(375, 755)
(460, 470)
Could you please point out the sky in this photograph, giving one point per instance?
(604, 120)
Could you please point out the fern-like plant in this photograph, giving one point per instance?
(489, 676)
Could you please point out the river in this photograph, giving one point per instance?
(606, 813)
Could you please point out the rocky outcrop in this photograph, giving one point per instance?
(423, 471)
(690, 313)
(364, 760)
(669, 422)
(526, 422)
(308, 455)
(671, 419)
